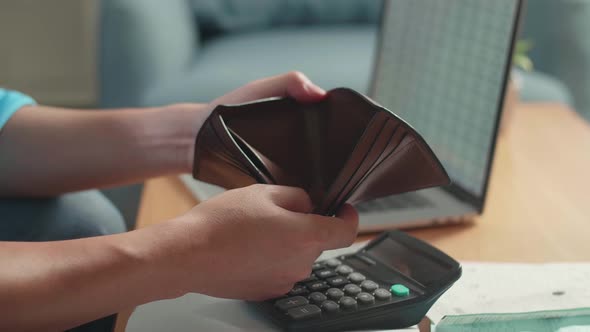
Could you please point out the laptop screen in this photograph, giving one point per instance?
(441, 66)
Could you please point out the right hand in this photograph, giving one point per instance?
(255, 242)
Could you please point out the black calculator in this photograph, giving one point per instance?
(390, 283)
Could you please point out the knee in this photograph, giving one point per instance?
(87, 214)
(70, 216)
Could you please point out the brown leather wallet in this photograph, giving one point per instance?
(343, 149)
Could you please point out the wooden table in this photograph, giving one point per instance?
(538, 207)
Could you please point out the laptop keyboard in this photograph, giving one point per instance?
(397, 202)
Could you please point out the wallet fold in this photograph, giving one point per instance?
(343, 149)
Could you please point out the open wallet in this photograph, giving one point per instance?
(343, 149)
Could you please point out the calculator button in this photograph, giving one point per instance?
(356, 277)
(400, 290)
(308, 279)
(316, 266)
(330, 307)
(317, 286)
(305, 312)
(369, 286)
(335, 293)
(365, 298)
(298, 290)
(344, 270)
(337, 281)
(382, 294)
(317, 298)
(323, 274)
(347, 303)
(291, 302)
(333, 262)
(352, 289)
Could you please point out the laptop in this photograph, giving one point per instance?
(443, 67)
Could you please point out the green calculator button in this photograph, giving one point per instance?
(400, 290)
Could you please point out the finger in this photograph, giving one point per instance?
(302, 88)
(335, 232)
(348, 212)
(290, 198)
(293, 84)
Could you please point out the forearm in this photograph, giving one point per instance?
(52, 286)
(47, 151)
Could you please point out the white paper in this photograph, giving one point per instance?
(512, 287)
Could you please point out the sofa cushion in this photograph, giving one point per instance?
(331, 56)
(220, 16)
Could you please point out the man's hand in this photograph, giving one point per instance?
(60, 150)
(250, 243)
(292, 84)
(253, 243)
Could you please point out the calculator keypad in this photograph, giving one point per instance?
(316, 266)
(332, 263)
(335, 293)
(365, 298)
(337, 281)
(348, 303)
(369, 286)
(344, 270)
(330, 307)
(324, 274)
(356, 277)
(317, 298)
(317, 286)
(332, 287)
(305, 312)
(352, 289)
(291, 302)
(298, 290)
(382, 294)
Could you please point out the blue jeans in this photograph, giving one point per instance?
(70, 216)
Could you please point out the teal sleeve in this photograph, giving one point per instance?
(10, 102)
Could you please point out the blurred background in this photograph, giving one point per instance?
(142, 52)
(118, 53)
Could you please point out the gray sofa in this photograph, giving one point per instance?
(156, 52)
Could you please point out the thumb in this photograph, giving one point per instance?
(335, 232)
(348, 212)
(291, 198)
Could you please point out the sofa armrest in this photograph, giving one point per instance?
(141, 42)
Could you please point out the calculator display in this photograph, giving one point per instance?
(409, 261)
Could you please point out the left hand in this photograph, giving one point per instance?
(292, 84)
